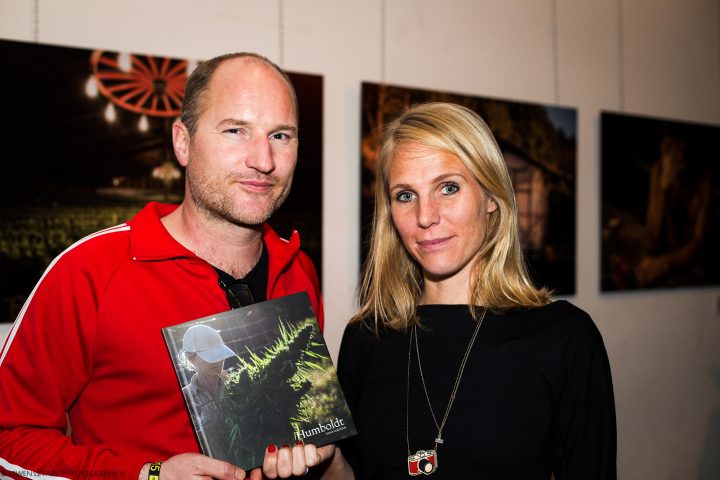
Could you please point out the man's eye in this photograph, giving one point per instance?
(404, 197)
(449, 189)
(280, 136)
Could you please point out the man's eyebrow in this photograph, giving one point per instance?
(291, 128)
(233, 121)
(244, 123)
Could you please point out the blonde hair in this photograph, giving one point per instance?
(392, 280)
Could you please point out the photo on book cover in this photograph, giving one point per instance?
(256, 376)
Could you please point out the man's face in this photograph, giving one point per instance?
(241, 159)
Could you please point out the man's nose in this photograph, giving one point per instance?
(260, 156)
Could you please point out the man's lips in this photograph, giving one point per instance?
(433, 244)
(256, 185)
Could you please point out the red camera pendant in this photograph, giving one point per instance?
(423, 462)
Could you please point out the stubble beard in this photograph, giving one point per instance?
(213, 200)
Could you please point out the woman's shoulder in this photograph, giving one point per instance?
(363, 333)
(556, 311)
(576, 323)
(361, 339)
(559, 316)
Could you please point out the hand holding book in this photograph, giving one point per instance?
(285, 462)
(194, 465)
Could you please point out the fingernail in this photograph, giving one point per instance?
(286, 446)
(298, 442)
(239, 474)
(271, 448)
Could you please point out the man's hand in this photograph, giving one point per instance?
(194, 466)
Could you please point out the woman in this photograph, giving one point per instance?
(456, 365)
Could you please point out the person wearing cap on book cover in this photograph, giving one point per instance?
(206, 352)
(87, 388)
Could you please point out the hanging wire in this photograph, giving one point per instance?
(383, 41)
(281, 33)
(36, 21)
(621, 56)
(556, 51)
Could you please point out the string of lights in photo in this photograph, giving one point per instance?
(148, 86)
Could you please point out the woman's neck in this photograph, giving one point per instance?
(447, 291)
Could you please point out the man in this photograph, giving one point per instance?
(86, 347)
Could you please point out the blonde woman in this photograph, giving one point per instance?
(455, 364)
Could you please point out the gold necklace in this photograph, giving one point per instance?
(425, 462)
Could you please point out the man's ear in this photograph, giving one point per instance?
(181, 142)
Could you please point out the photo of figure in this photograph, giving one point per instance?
(660, 203)
(205, 353)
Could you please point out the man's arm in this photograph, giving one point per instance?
(44, 366)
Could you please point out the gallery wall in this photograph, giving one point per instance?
(648, 57)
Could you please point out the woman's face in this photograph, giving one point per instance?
(438, 208)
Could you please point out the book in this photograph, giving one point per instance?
(258, 375)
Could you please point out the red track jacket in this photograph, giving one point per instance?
(88, 342)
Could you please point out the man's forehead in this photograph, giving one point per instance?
(249, 78)
(251, 71)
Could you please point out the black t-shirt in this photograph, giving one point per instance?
(256, 279)
(536, 397)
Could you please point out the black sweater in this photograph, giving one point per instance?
(536, 397)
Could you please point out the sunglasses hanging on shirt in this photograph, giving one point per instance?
(238, 294)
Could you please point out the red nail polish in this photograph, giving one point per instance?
(298, 442)
(271, 448)
(286, 446)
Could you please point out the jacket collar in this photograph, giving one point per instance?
(149, 240)
(281, 253)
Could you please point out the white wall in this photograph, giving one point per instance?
(653, 57)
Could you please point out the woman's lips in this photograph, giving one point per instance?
(433, 244)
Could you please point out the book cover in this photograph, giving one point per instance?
(258, 375)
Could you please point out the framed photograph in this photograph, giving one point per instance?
(538, 143)
(93, 132)
(660, 203)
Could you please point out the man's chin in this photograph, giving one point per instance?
(243, 218)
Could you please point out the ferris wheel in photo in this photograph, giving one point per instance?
(146, 85)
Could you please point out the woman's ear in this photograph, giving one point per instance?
(491, 205)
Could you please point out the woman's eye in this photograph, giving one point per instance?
(449, 189)
(404, 197)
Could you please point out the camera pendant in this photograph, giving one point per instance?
(423, 462)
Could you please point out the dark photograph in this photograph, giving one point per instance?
(660, 203)
(93, 136)
(538, 143)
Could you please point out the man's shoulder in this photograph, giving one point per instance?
(103, 247)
